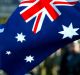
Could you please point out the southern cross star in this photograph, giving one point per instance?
(8, 52)
(69, 31)
(20, 37)
(29, 58)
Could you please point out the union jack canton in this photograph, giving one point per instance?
(40, 8)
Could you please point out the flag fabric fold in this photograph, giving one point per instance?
(21, 49)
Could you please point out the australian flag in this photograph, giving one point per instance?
(36, 29)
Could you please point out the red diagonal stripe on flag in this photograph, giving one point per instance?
(27, 1)
(59, 2)
(37, 7)
(37, 22)
(40, 5)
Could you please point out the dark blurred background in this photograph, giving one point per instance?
(65, 61)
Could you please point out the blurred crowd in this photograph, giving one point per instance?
(65, 61)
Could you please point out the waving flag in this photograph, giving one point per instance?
(55, 26)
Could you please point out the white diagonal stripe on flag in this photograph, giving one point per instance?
(40, 15)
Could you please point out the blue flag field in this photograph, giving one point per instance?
(36, 30)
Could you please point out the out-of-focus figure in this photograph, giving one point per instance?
(70, 64)
(2, 72)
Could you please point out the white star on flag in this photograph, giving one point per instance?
(69, 31)
(8, 52)
(29, 58)
(20, 37)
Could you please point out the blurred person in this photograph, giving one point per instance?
(49, 65)
(52, 63)
(70, 62)
(2, 72)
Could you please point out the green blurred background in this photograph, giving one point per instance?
(65, 61)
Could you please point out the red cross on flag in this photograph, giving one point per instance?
(40, 8)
